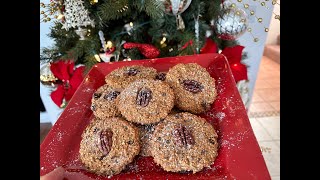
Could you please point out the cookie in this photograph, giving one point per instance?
(184, 142)
(108, 145)
(122, 77)
(103, 102)
(145, 132)
(146, 101)
(194, 88)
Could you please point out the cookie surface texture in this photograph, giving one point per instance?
(103, 102)
(193, 87)
(108, 145)
(122, 77)
(146, 101)
(184, 142)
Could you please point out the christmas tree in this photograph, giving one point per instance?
(87, 31)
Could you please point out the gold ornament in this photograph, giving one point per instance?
(42, 12)
(41, 4)
(263, 3)
(52, 4)
(46, 76)
(274, 2)
(260, 20)
(266, 29)
(249, 29)
(255, 39)
(49, 19)
(56, 16)
(251, 12)
(239, 0)
(277, 17)
(246, 6)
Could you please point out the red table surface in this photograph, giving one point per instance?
(239, 155)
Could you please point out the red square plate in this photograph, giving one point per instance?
(239, 155)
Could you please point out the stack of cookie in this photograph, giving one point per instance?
(140, 111)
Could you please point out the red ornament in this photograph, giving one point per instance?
(147, 50)
(110, 50)
(71, 79)
(189, 43)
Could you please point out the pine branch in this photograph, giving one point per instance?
(186, 37)
(213, 9)
(154, 8)
(89, 61)
(134, 54)
(49, 54)
(114, 9)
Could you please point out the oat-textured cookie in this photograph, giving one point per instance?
(194, 88)
(122, 77)
(184, 142)
(146, 101)
(103, 102)
(145, 132)
(108, 145)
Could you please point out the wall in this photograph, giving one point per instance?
(274, 29)
(52, 111)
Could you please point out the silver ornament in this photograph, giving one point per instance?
(176, 7)
(82, 32)
(231, 23)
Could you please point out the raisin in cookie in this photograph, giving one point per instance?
(108, 145)
(103, 103)
(122, 77)
(146, 101)
(194, 88)
(161, 76)
(184, 142)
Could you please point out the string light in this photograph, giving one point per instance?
(109, 44)
(124, 8)
(97, 57)
(163, 40)
(92, 2)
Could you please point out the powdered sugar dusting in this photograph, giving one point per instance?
(88, 90)
(220, 115)
(233, 140)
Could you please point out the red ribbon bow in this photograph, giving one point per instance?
(70, 77)
(233, 55)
